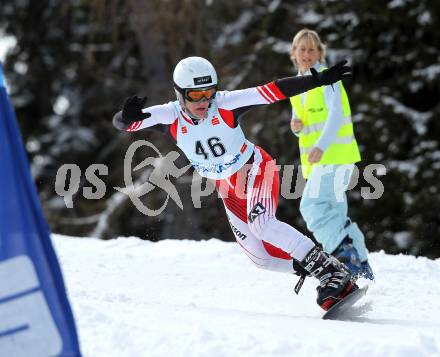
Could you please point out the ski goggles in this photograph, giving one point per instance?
(198, 95)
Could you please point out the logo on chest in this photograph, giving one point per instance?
(215, 120)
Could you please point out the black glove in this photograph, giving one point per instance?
(331, 75)
(132, 110)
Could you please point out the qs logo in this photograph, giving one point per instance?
(162, 168)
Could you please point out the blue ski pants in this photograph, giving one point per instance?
(324, 208)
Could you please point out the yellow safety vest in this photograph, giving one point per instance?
(314, 113)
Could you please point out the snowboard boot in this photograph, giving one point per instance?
(347, 254)
(335, 280)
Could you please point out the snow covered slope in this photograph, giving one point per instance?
(185, 298)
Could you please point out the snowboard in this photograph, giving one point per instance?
(342, 308)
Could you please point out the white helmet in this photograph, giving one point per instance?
(193, 73)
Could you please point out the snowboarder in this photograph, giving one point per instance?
(204, 124)
(321, 118)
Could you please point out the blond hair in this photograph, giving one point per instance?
(308, 35)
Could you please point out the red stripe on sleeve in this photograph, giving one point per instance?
(269, 93)
(260, 90)
(132, 126)
(274, 88)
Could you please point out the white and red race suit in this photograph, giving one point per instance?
(245, 176)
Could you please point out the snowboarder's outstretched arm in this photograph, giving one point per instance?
(292, 86)
(134, 116)
(240, 101)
